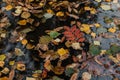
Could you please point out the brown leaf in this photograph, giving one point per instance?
(11, 74)
(74, 76)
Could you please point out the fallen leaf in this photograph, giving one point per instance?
(8, 7)
(86, 76)
(2, 57)
(2, 64)
(22, 22)
(62, 51)
(25, 15)
(105, 7)
(59, 14)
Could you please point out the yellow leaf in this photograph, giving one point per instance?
(93, 34)
(21, 67)
(62, 51)
(25, 15)
(4, 78)
(11, 63)
(113, 59)
(87, 8)
(103, 52)
(93, 11)
(60, 13)
(2, 57)
(97, 25)
(113, 29)
(24, 41)
(8, 7)
(22, 22)
(85, 28)
(30, 46)
(50, 11)
(2, 63)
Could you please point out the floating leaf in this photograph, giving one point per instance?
(21, 67)
(45, 39)
(30, 78)
(105, 7)
(2, 63)
(85, 28)
(76, 46)
(97, 43)
(48, 15)
(58, 70)
(59, 14)
(62, 51)
(24, 41)
(101, 30)
(54, 34)
(86, 76)
(112, 29)
(8, 7)
(69, 72)
(5, 70)
(25, 15)
(2, 57)
(113, 49)
(22, 22)
(94, 50)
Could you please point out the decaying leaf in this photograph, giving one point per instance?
(2, 63)
(86, 76)
(5, 70)
(25, 15)
(48, 65)
(58, 70)
(8, 7)
(62, 51)
(21, 67)
(2, 57)
(22, 22)
(45, 39)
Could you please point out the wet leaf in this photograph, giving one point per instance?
(101, 30)
(85, 28)
(20, 67)
(94, 50)
(54, 34)
(25, 15)
(58, 70)
(48, 15)
(105, 7)
(76, 46)
(62, 51)
(22, 22)
(2, 57)
(113, 29)
(86, 76)
(8, 7)
(5, 70)
(45, 39)
(30, 78)
(59, 14)
(2, 63)
(69, 72)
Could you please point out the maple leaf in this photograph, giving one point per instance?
(73, 34)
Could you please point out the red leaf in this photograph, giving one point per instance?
(73, 28)
(67, 28)
(81, 40)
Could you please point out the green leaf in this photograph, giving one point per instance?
(69, 72)
(45, 39)
(54, 34)
(94, 50)
(113, 49)
(2, 57)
